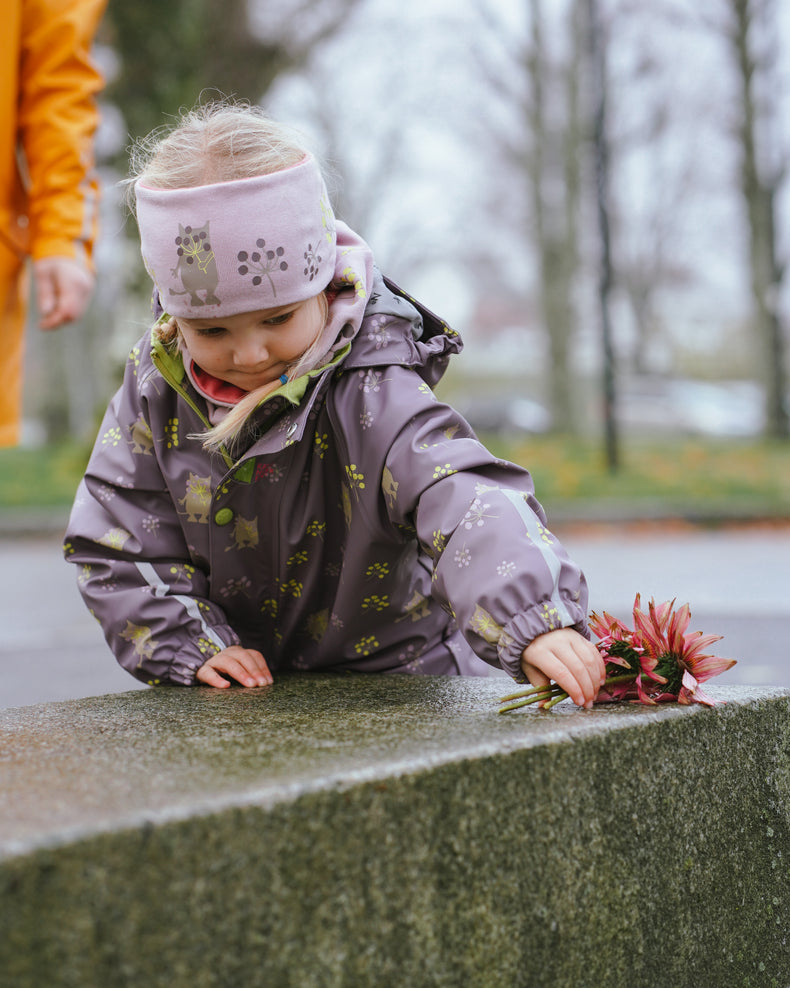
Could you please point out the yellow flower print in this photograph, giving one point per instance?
(171, 433)
(366, 645)
(351, 278)
(207, 648)
(111, 437)
(443, 471)
(293, 587)
(377, 570)
(269, 607)
(551, 617)
(297, 558)
(376, 603)
(355, 479)
(182, 571)
(321, 444)
(439, 541)
(316, 528)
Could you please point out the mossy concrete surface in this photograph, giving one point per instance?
(393, 831)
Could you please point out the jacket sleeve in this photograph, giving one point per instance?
(496, 566)
(57, 119)
(136, 573)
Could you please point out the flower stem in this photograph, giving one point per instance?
(531, 691)
(560, 696)
(627, 677)
(552, 693)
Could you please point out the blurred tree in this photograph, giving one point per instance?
(172, 52)
(751, 110)
(554, 171)
(387, 179)
(751, 32)
(643, 140)
(542, 143)
(600, 143)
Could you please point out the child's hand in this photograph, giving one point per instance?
(570, 660)
(246, 666)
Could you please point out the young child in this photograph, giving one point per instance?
(275, 485)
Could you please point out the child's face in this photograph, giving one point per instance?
(253, 348)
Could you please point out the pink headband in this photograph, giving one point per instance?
(256, 243)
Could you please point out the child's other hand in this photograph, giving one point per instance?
(244, 665)
(570, 660)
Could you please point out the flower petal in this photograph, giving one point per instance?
(691, 692)
(706, 666)
(696, 641)
(676, 630)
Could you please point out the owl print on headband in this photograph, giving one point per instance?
(255, 243)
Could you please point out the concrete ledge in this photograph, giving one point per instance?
(393, 831)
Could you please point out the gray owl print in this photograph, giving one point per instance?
(196, 265)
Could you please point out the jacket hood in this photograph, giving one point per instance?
(397, 329)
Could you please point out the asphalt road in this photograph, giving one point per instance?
(735, 580)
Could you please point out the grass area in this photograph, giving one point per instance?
(682, 476)
(41, 478)
(697, 476)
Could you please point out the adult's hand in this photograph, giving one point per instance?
(63, 290)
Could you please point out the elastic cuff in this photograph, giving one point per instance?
(187, 661)
(524, 628)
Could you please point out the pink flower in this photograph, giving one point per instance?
(656, 661)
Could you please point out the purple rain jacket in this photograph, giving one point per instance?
(364, 528)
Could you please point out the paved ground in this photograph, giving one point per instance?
(735, 580)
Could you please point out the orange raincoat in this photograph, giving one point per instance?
(48, 189)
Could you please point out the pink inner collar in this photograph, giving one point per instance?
(215, 389)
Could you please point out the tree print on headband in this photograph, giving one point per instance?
(312, 261)
(261, 265)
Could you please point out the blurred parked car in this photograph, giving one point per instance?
(682, 406)
(506, 415)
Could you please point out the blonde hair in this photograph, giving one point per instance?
(220, 141)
